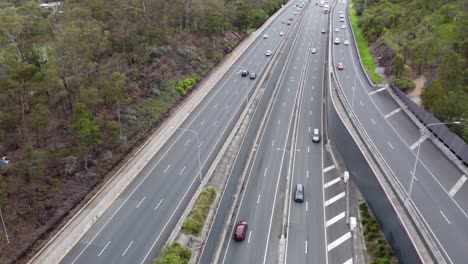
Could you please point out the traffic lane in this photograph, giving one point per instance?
(307, 171)
(277, 111)
(426, 204)
(406, 128)
(273, 143)
(271, 158)
(146, 212)
(220, 217)
(448, 226)
(437, 163)
(304, 247)
(394, 142)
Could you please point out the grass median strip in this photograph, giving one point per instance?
(194, 223)
(366, 55)
(377, 246)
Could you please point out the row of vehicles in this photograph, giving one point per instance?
(241, 228)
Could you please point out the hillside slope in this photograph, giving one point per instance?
(83, 86)
(427, 38)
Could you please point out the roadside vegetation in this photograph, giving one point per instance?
(364, 51)
(194, 223)
(423, 38)
(174, 254)
(82, 87)
(377, 246)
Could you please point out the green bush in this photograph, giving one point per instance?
(405, 84)
(186, 85)
(377, 247)
(174, 254)
(194, 223)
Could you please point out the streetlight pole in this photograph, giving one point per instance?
(417, 155)
(198, 147)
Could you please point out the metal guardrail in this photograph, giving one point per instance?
(452, 141)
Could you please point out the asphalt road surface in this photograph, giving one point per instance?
(261, 204)
(441, 202)
(137, 224)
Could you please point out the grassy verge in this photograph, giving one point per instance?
(366, 55)
(194, 223)
(174, 253)
(377, 247)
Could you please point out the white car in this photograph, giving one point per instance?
(337, 40)
(346, 42)
(281, 33)
(265, 36)
(268, 53)
(295, 13)
(341, 15)
(341, 19)
(313, 51)
(343, 26)
(336, 30)
(341, 12)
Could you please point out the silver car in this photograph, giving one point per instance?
(299, 193)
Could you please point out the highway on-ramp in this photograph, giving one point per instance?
(442, 208)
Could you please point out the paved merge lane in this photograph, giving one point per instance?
(137, 224)
(394, 138)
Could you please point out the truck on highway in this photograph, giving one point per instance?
(325, 9)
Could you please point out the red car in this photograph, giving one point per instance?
(289, 23)
(340, 66)
(240, 231)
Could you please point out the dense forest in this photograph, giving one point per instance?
(424, 37)
(83, 84)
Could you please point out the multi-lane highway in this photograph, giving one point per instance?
(441, 202)
(136, 226)
(283, 156)
(260, 203)
(138, 223)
